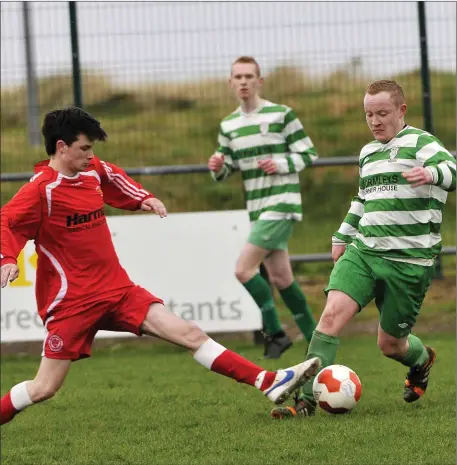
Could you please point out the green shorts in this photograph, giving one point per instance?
(398, 288)
(271, 235)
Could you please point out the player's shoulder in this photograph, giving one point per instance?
(95, 164)
(417, 138)
(103, 169)
(368, 149)
(272, 107)
(43, 173)
(98, 165)
(427, 138)
(413, 131)
(283, 111)
(233, 115)
(36, 184)
(227, 124)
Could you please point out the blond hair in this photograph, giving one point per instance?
(392, 87)
(247, 60)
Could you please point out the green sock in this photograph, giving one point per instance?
(325, 348)
(295, 300)
(416, 354)
(261, 293)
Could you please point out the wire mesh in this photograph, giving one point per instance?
(155, 74)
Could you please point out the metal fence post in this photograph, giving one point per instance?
(77, 87)
(33, 109)
(426, 92)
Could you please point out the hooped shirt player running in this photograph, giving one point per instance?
(386, 247)
(81, 286)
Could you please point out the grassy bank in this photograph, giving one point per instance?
(178, 123)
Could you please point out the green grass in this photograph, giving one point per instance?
(151, 404)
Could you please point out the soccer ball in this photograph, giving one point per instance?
(337, 389)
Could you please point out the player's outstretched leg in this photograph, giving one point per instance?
(276, 385)
(48, 380)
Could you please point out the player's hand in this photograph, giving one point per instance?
(418, 176)
(9, 273)
(337, 251)
(155, 205)
(216, 162)
(268, 166)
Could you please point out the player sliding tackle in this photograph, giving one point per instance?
(81, 287)
(387, 245)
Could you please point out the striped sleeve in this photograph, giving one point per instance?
(230, 165)
(119, 189)
(301, 148)
(439, 162)
(349, 228)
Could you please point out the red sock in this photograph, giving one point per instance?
(217, 358)
(237, 367)
(7, 411)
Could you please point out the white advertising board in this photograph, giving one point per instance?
(187, 259)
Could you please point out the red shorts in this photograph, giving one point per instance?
(71, 337)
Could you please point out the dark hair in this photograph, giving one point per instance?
(68, 124)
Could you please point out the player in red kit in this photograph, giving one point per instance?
(81, 287)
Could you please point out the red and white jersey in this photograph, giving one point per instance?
(77, 263)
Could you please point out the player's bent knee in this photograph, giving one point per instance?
(243, 275)
(339, 310)
(392, 347)
(280, 281)
(390, 351)
(274, 280)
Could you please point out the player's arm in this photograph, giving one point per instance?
(302, 152)
(221, 164)
(349, 227)
(439, 166)
(20, 219)
(121, 191)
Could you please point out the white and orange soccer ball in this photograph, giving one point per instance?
(337, 389)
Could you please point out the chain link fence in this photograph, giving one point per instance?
(155, 74)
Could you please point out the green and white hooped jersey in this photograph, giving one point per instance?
(270, 131)
(389, 217)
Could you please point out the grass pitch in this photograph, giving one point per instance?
(152, 404)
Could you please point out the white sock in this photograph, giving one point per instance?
(208, 352)
(259, 379)
(20, 397)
